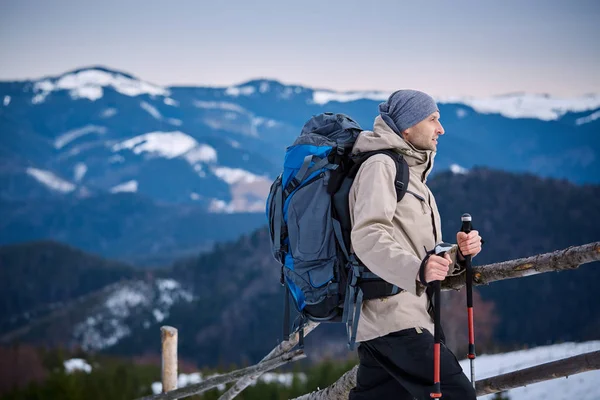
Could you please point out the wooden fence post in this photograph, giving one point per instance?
(168, 336)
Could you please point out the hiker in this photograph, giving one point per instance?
(393, 239)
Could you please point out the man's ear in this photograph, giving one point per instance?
(405, 133)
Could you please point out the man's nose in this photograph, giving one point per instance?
(440, 130)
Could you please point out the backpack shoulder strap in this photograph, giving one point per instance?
(402, 173)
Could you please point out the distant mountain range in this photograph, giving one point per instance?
(71, 145)
(227, 303)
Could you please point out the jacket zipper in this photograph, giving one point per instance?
(429, 201)
(432, 220)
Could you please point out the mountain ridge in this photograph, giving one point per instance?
(231, 301)
(214, 151)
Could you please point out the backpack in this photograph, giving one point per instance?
(309, 223)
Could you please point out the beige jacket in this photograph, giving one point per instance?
(391, 238)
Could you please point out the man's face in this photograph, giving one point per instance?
(424, 135)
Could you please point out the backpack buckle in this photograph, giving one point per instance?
(281, 255)
(291, 186)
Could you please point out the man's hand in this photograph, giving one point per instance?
(437, 268)
(468, 244)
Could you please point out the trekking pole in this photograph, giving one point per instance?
(437, 390)
(467, 227)
(440, 250)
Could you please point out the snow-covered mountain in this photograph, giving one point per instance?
(72, 145)
(97, 130)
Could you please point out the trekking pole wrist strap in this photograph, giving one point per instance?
(422, 268)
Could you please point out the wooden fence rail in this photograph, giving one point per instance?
(569, 258)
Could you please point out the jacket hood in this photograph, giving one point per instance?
(382, 137)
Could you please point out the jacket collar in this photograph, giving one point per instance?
(383, 137)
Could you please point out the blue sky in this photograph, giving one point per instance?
(447, 48)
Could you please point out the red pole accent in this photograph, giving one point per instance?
(436, 362)
(437, 393)
(471, 330)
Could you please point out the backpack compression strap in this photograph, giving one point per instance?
(306, 170)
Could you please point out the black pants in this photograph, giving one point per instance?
(400, 366)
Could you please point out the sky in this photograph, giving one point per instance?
(447, 48)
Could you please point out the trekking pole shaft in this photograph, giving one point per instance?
(466, 228)
(437, 392)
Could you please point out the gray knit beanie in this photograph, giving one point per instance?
(405, 108)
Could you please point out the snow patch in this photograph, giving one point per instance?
(89, 84)
(6, 101)
(77, 364)
(269, 123)
(194, 196)
(109, 112)
(580, 386)
(287, 93)
(51, 180)
(236, 91)
(79, 171)
(87, 92)
(283, 379)
(108, 326)
(157, 387)
(221, 206)
(588, 119)
(457, 169)
(199, 170)
(170, 292)
(159, 316)
(326, 96)
(230, 116)
(130, 186)
(124, 299)
(170, 102)
(167, 284)
(151, 110)
(116, 159)
(183, 380)
(164, 144)
(38, 98)
(234, 144)
(236, 175)
(71, 135)
(537, 106)
(189, 379)
(219, 105)
(264, 87)
(201, 153)
(461, 113)
(175, 121)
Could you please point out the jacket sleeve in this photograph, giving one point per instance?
(373, 230)
(456, 267)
